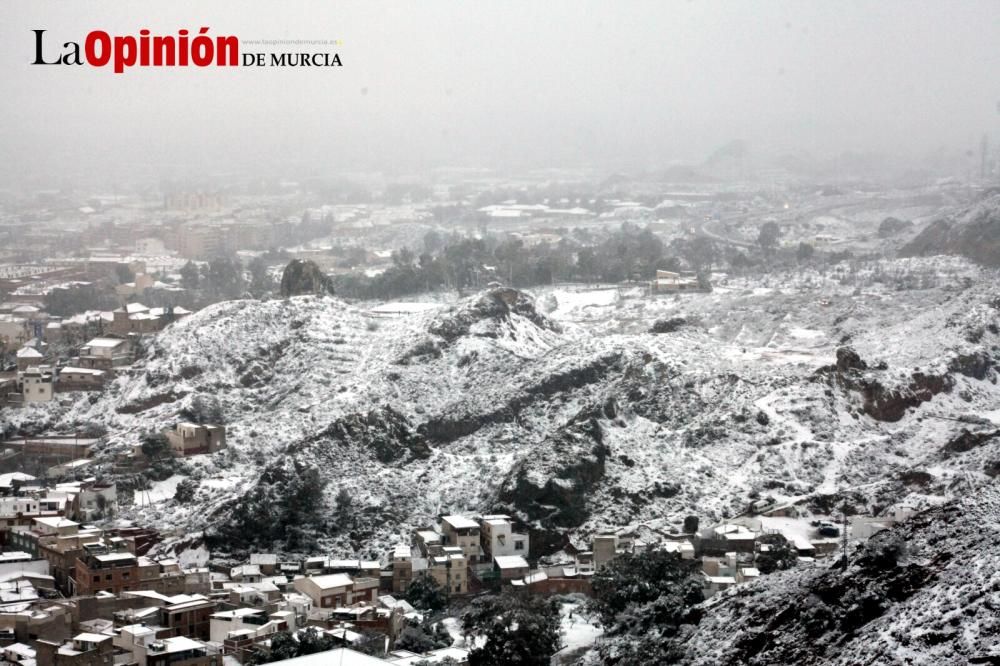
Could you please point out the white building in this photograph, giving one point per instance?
(37, 384)
(249, 622)
(498, 537)
(104, 348)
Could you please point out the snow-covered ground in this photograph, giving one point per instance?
(160, 491)
(579, 630)
(727, 407)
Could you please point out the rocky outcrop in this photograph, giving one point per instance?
(304, 277)
(848, 359)
(384, 432)
(891, 226)
(974, 233)
(550, 491)
(966, 441)
(449, 427)
(668, 325)
(883, 399)
(884, 403)
(495, 305)
(978, 365)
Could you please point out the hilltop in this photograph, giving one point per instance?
(563, 408)
(973, 233)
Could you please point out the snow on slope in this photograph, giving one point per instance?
(922, 593)
(577, 422)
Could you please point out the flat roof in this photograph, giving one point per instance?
(104, 342)
(332, 580)
(14, 556)
(510, 561)
(177, 644)
(114, 557)
(84, 371)
(238, 612)
(56, 521)
(460, 522)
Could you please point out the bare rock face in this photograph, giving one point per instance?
(496, 305)
(848, 359)
(884, 400)
(304, 277)
(890, 404)
(891, 226)
(550, 492)
(974, 233)
(966, 440)
(671, 325)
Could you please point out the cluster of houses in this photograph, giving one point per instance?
(70, 457)
(40, 375)
(41, 371)
(74, 593)
(114, 604)
(465, 555)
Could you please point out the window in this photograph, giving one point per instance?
(107, 577)
(518, 545)
(97, 579)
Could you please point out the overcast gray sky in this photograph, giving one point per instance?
(504, 84)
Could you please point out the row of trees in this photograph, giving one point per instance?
(627, 253)
(225, 278)
(630, 252)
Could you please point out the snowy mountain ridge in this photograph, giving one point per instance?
(579, 419)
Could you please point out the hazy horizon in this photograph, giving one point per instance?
(514, 85)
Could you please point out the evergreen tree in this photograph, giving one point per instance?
(190, 276)
(644, 600)
(767, 238)
(261, 283)
(515, 630)
(426, 593)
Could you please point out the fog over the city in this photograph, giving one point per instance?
(614, 85)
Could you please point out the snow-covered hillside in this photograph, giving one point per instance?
(973, 232)
(580, 418)
(923, 593)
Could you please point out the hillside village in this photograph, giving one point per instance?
(72, 592)
(512, 416)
